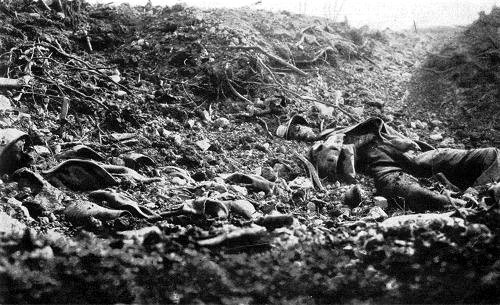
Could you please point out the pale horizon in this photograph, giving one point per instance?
(378, 14)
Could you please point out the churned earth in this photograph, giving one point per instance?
(219, 209)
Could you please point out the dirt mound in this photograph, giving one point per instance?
(178, 108)
(463, 79)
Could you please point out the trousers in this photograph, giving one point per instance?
(396, 179)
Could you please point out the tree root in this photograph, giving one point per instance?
(274, 57)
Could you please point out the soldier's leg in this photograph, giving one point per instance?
(408, 193)
(463, 168)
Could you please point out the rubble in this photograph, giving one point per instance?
(140, 162)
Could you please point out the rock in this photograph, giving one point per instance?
(268, 173)
(120, 93)
(324, 109)
(10, 225)
(115, 78)
(419, 124)
(447, 142)
(436, 137)
(422, 219)
(302, 183)
(204, 144)
(436, 123)
(376, 213)
(44, 253)
(139, 234)
(5, 103)
(359, 111)
(221, 123)
(311, 207)
(310, 39)
(239, 189)
(337, 98)
(380, 202)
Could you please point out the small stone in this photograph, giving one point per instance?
(447, 142)
(262, 147)
(204, 144)
(42, 150)
(337, 98)
(239, 189)
(221, 123)
(120, 93)
(359, 111)
(52, 217)
(302, 183)
(95, 223)
(421, 125)
(310, 39)
(5, 103)
(268, 173)
(436, 137)
(436, 123)
(380, 202)
(116, 78)
(311, 207)
(324, 109)
(376, 213)
(44, 253)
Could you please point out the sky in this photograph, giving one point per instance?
(379, 14)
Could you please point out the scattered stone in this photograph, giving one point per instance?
(419, 124)
(10, 226)
(5, 103)
(204, 144)
(268, 173)
(436, 123)
(380, 202)
(447, 142)
(436, 137)
(337, 98)
(376, 213)
(44, 253)
(400, 221)
(359, 111)
(239, 189)
(120, 93)
(221, 123)
(301, 183)
(324, 109)
(115, 78)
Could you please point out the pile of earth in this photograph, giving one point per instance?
(201, 93)
(462, 79)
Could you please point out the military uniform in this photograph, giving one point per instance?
(394, 161)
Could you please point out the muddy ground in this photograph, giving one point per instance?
(176, 94)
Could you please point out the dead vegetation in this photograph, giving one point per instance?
(156, 175)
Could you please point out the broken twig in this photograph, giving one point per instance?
(313, 174)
